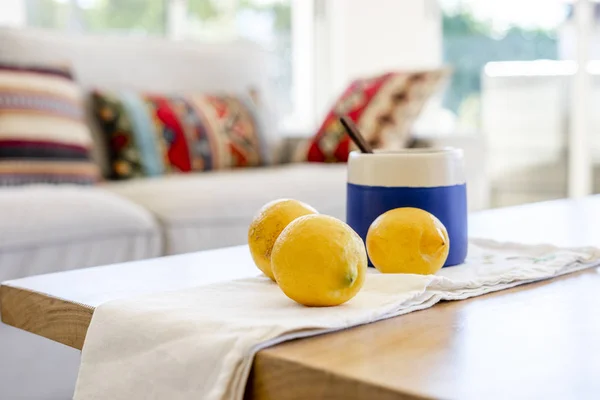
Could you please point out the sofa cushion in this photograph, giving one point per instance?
(383, 107)
(210, 210)
(49, 228)
(149, 134)
(43, 136)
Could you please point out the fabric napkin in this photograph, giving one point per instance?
(199, 343)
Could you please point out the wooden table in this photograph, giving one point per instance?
(536, 341)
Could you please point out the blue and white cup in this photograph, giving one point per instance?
(429, 179)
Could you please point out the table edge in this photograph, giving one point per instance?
(44, 315)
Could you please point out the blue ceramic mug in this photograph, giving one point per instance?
(430, 179)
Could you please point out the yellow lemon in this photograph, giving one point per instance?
(408, 240)
(266, 226)
(319, 261)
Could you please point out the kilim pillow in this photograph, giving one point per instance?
(150, 134)
(43, 136)
(383, 107)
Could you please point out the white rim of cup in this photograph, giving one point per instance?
(413, 151)
(421, 167)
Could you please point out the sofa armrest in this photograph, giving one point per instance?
(478, 185)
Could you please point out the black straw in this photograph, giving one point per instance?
(355, 135)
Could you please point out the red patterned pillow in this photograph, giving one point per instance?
(150, 135)
(237, 121)
(383, 107)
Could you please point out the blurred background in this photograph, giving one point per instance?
(514, 66)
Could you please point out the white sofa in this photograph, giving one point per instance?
(48, 228)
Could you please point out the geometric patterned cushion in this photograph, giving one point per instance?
(384, 107)
(43, 136)
(151, 135)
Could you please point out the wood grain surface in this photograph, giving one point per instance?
(53, 318)
(534, 341)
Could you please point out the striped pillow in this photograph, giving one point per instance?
(43, 136)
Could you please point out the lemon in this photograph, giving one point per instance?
(408, 240)
(266, 226)
(319, 261)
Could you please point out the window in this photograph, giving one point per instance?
(477, 32)
(98, 16)
(518, 81)
(282, 26)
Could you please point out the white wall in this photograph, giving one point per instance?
(366, 37)
(12, 13)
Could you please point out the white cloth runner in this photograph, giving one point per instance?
(199, 343)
